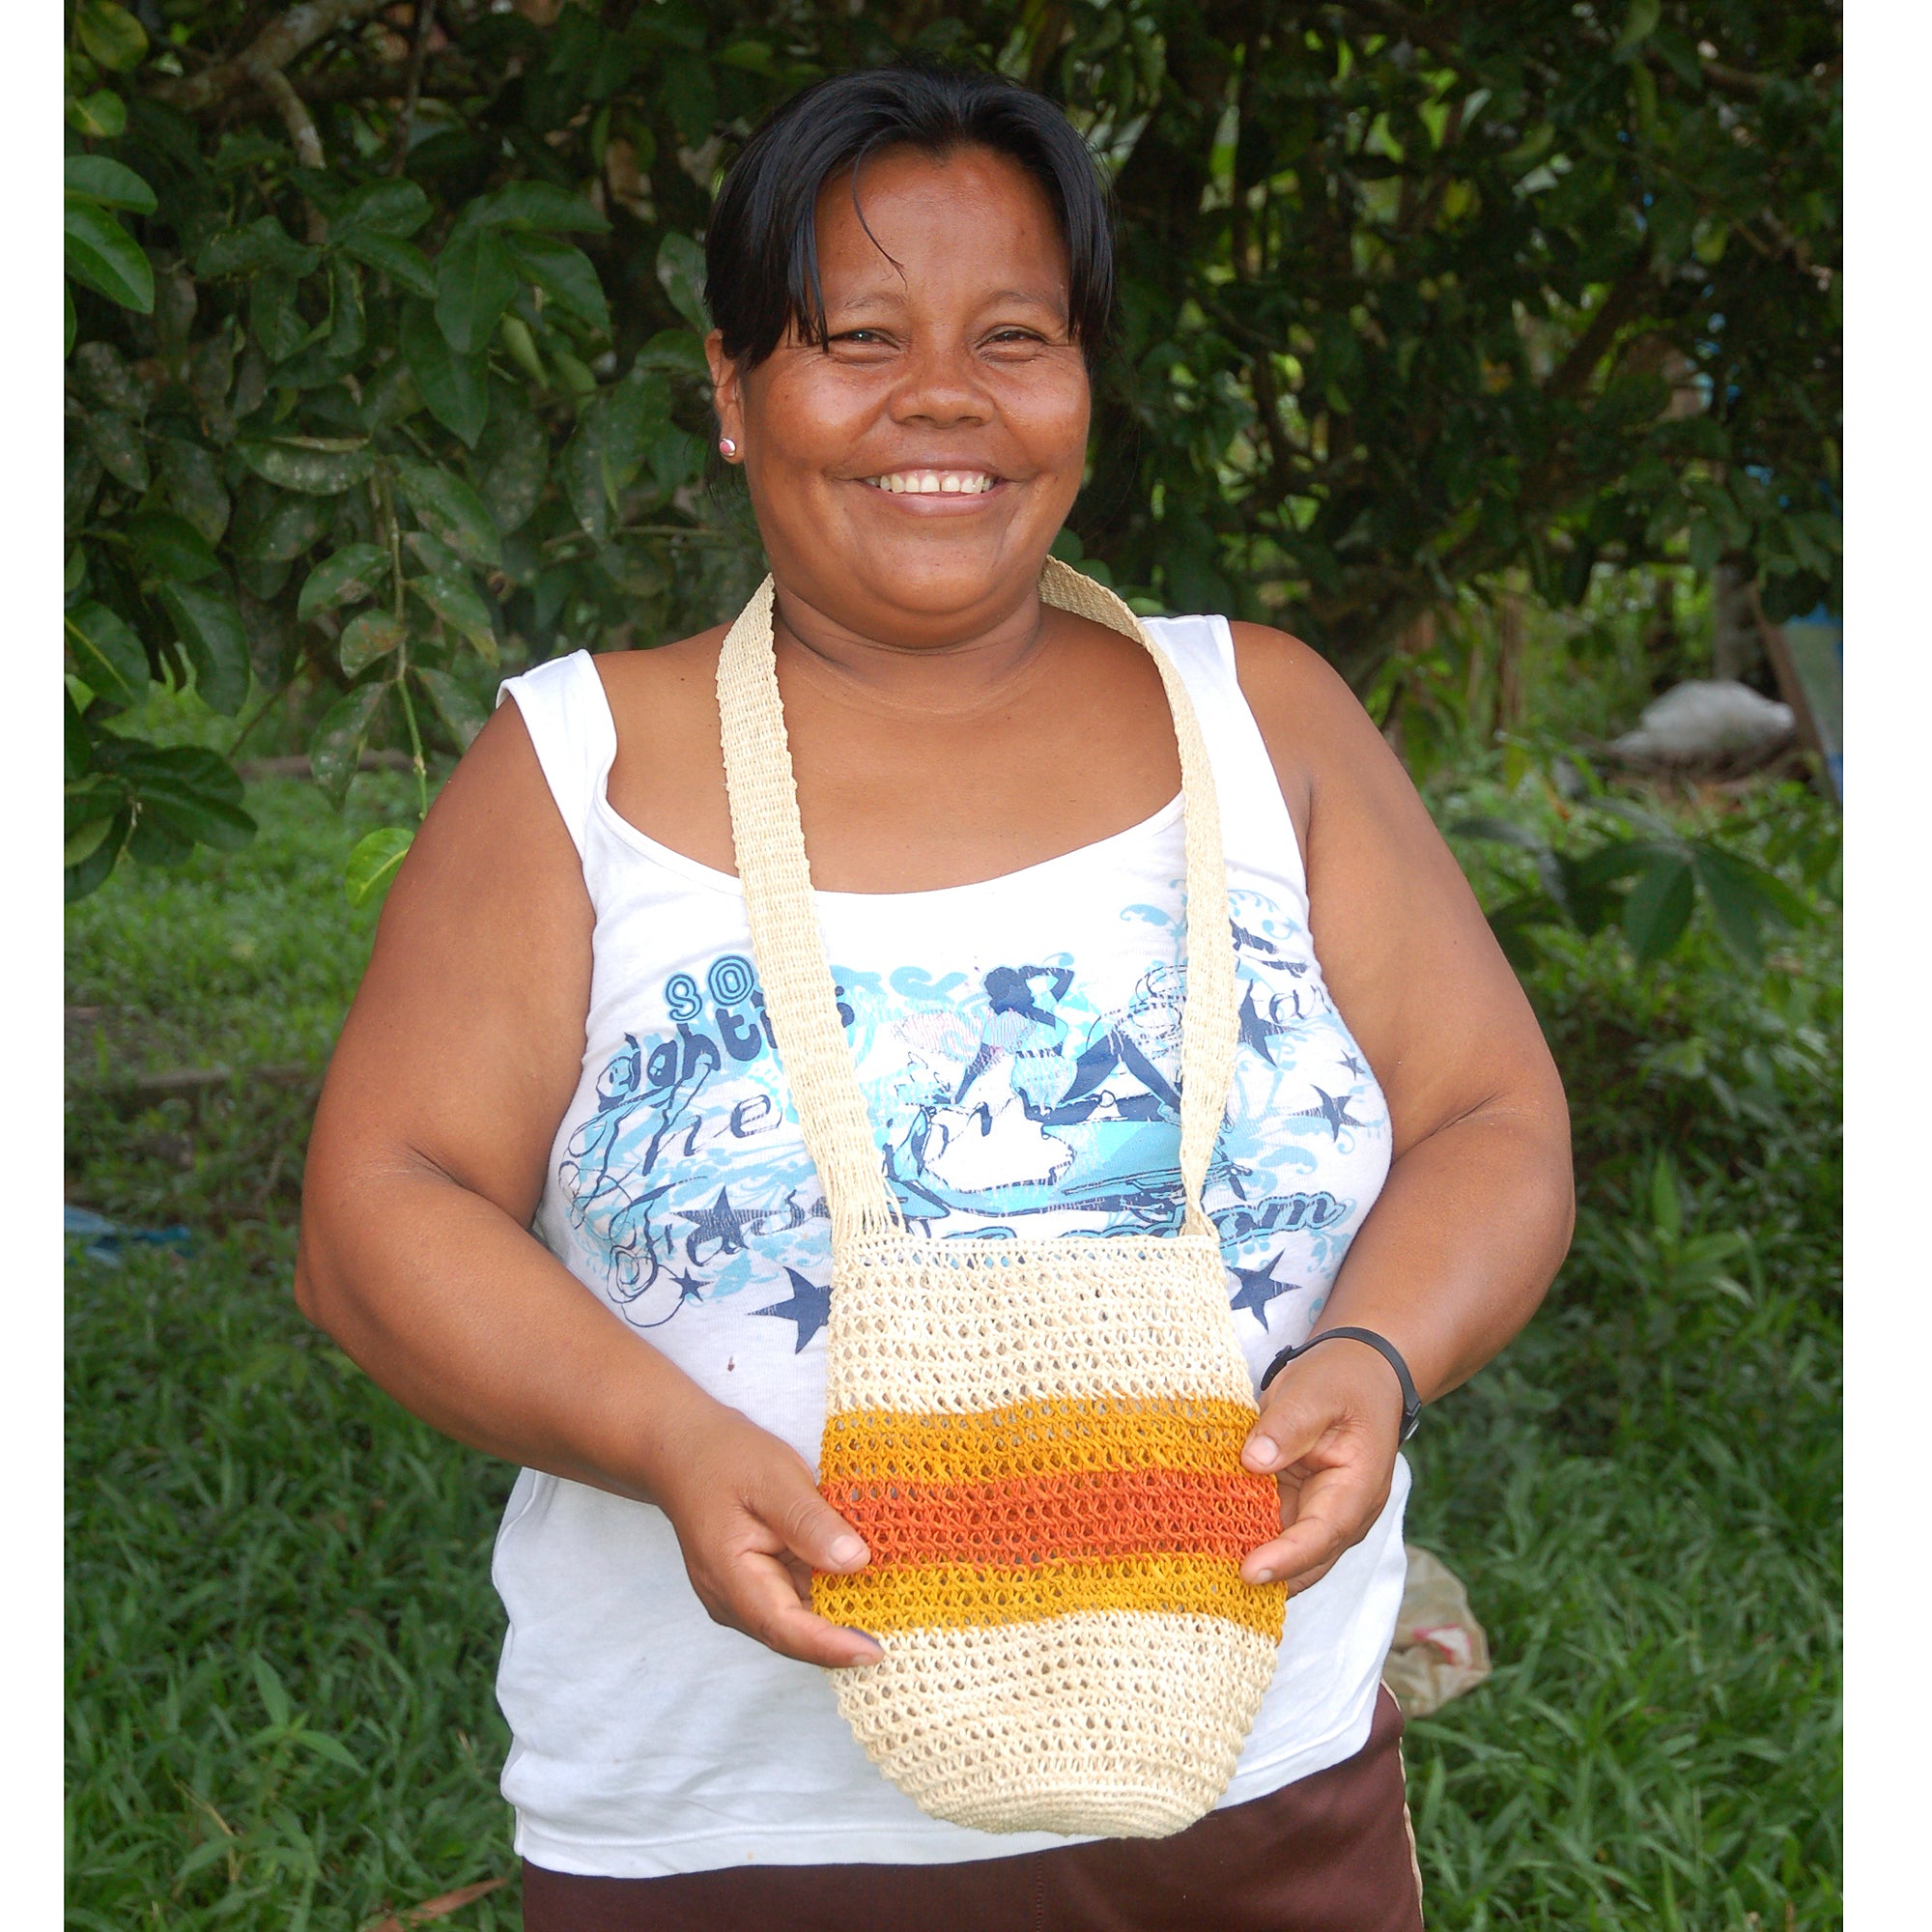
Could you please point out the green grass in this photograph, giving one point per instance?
(282, 1632)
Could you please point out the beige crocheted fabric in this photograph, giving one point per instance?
(1039, 1440)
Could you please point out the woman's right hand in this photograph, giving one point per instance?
(753, 1527)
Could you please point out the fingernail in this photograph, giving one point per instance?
(1263, 1577)
(1258, 1454)
(848, 1549)
(872, 1653)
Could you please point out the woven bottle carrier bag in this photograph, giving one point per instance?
(1039, 1440)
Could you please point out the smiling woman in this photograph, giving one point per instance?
(872, 1105)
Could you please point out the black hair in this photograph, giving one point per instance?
(761, 246)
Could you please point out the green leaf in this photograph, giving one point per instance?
(274, 1696)
(348, 327)
(82, 483)
(404, 264)
(352, 574)
(1640, 23)
(1497, 832)
(635, 411)
(274, 316)
(119, 446)
(110, 657)
(337, 744)
(73, 320)
(89, 871)
(461, 605)
(373, 864)
(454, 705)
(1659, 907)
(535, 204)
(681, 274)
(170, 546)
(81, 844)
(566, 274)
(582, 466)
(475, 279)
(450, 510)
(111, 35)
(435, 555)
(392, 209)
(96, 177)
(261, 247)
(187, 794)
(289, 525)
(374, 635)
(1666, 1204)
(1743, 901)
(455, 389)
(103, 255)
(101, 117)
(212, 634)
(680, 351)
(103, 372)
(317, 465)
(677, 456)
(515, 453)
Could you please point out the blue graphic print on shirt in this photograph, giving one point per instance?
(1005, 1100)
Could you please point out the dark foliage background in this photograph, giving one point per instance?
(384, 330)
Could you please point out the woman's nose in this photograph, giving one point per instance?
(941, 386)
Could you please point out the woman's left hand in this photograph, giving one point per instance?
(1329, 1428)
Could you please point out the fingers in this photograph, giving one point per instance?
(1333, 1511)
(812, 1528)
(1328, 1435)
(764, 1604)
(751, 1544)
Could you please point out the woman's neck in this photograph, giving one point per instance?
(983, 670)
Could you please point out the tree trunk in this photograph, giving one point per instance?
(1735, 651)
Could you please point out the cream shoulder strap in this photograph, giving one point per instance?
(790, 953)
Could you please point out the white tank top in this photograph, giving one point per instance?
(1018, 1041)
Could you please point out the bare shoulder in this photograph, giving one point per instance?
(1293, 689)
(1319, 738)
(678, 676)
(667, 778)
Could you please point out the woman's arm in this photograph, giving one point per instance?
(1476, 1213)
(457, 1059)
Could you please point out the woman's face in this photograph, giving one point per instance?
(909, 477)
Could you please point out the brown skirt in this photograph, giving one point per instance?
(1332, 1852)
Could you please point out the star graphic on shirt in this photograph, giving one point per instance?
(808, 1306)
(1259, 1288)
(1257, 1032)
(722, 1223)
(1353, 1066)
(1335, 1111)
(689, 1287)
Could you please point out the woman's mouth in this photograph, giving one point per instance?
(934, 482)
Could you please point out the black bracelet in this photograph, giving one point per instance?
(1411, 1402)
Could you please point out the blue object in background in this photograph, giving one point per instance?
(102, 1241)
(1813, 647)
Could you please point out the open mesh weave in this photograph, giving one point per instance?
(1039, 1440)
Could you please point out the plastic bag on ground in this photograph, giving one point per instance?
(1440, 1649)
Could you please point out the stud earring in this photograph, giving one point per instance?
(726, 447)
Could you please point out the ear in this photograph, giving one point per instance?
(728, 396)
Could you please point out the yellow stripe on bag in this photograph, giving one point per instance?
(956, 1596)
(1034, 1438)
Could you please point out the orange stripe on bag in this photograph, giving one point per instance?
(1040, 1519)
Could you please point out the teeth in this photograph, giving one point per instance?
(934, 482)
